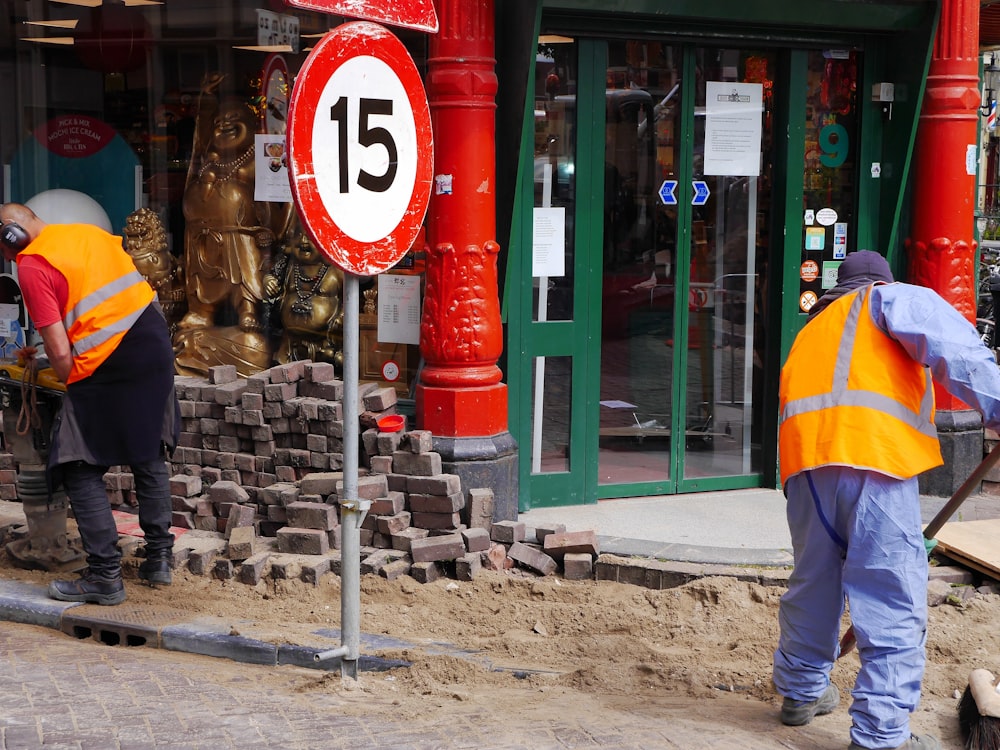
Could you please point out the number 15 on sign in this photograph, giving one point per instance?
(360, 148)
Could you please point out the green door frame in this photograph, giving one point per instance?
(881, 212)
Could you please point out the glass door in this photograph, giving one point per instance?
(653, 176)
(556, 340)
(686, 248)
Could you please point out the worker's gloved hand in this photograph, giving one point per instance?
(929, 545)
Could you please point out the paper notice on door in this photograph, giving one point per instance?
(733, 116)
(548, 242)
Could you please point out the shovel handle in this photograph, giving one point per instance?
(849, 641)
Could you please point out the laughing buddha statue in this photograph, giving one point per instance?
(306, 290)
(227, 241)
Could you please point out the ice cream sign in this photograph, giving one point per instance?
(74, 136)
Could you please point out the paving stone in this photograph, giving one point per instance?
(419, 441)
(476, 540)
(184, 485)
(468, 566)
(393, 503)
(241, 543)
(561, 543)
(416, 464)
(253, 569)
(387, 443)
(312, 515)
(508, 532)
(393, 524)
(532, 558)
(578, 566)
(402, 539)
(480, 508)
(321, 483)
(227, 491)
(543, 531)
(423, 503)
(426, 572)
(439, 521)
(303, 541)
(239, 515)
(435, 548)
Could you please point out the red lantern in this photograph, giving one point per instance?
(113, 39)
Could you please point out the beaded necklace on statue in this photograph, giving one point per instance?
(303, 305)
(228, 167)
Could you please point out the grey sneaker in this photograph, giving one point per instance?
(926, 742)
(796, 713)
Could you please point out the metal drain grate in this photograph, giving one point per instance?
(122, 625)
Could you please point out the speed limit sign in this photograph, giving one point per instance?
(360, 149)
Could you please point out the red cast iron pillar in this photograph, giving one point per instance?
(459, 397)
(941, 247)
(460, 393)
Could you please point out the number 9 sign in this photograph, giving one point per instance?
(360, 149)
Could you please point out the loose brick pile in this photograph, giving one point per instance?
(258, 479)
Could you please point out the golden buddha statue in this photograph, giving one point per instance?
(146, 241)
(227, 241)
(306, 290)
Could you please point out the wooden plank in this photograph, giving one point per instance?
(977, 543)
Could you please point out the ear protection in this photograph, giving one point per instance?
(14, 236)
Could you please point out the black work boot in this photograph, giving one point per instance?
(90, 587)
(156, 568)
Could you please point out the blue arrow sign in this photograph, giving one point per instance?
(701, 192)
(667, 192)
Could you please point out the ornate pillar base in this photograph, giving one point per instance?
(961, 436)
(458, 419)
(487, 462)
(461, 412)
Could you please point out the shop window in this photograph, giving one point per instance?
(169, 119)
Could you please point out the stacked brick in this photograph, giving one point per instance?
(258, 479)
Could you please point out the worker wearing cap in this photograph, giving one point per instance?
(856, 429)
(106, 338)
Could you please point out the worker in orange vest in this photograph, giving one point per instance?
(856, 428)
(105, 337)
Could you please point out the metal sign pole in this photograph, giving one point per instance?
(352, 510)
(342, 224)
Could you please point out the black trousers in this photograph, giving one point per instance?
(88, 498)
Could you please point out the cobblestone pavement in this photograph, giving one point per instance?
(59, 693)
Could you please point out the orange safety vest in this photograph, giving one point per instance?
(106, 292)
(851, 396)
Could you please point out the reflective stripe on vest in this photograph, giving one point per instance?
(106, 294)
(91, 301)
(851, 396)
(840, 395)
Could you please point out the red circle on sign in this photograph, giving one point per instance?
(360, 44)
(809, 270)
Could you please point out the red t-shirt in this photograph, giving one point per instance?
(45, 289)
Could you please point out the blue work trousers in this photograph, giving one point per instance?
(857, 534)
